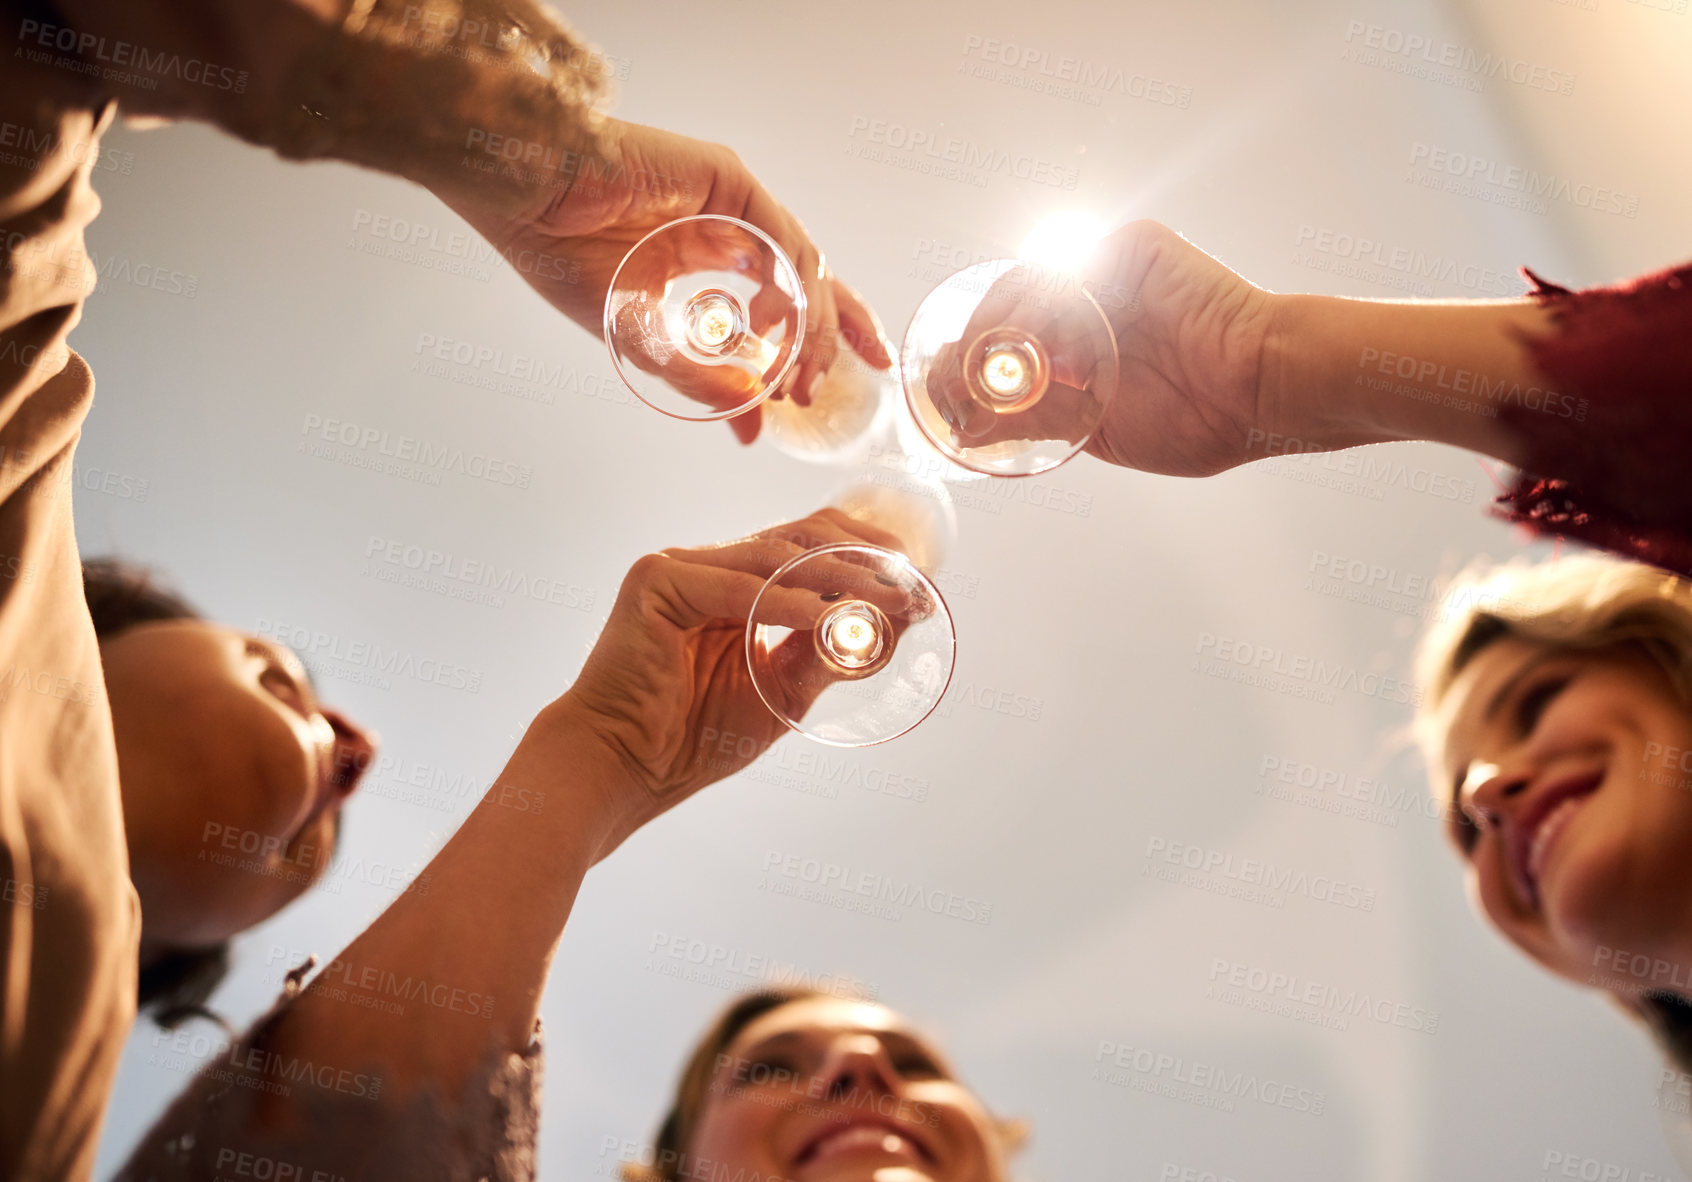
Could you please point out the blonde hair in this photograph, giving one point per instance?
(1575, 602)
(1580, 602)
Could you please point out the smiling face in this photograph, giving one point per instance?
(232, 773)
(831, 1090)
(1570, 805)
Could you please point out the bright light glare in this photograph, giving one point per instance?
(714, 326)
(1063, 241)
(1005, 373)
(853, 637)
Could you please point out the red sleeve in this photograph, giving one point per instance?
(1613, 474)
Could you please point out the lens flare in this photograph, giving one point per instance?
(1063, 241)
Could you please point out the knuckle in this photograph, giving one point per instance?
(645, 569)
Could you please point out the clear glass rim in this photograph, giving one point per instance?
(943, 447)
(800, 300)
(944, 612)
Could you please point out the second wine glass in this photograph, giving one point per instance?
(1009, 367)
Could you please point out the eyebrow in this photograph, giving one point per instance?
(892, 1040)
(776, 1042)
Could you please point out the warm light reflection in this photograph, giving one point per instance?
(853, 639)
(715, 323)
(1004, 373)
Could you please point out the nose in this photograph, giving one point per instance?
(1490, 792)
(858, 1062)
(354, 750)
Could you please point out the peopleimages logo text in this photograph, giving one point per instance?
(314, 645)
(965, 153)
(420, 452)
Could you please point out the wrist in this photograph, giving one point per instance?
(1307, 399)
(562, 752)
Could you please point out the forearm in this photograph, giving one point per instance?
(1343, 372)
(492, 110)
(479, 928)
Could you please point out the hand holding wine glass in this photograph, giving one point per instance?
(644, 179)
(1190, 335)
(668, 680)
(1010, 368)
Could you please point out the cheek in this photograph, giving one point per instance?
(310, 853)
(1489, 891)
(266, 767)
(962, 1123)
(736, 1130)
(1625, 874)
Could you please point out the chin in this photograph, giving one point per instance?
(1597, 916)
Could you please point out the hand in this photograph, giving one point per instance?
(576, 234)
(1189, 337)
(666, 689)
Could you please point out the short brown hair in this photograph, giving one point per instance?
(669, 1149)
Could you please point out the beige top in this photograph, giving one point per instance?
(387, 88)
(70, 922)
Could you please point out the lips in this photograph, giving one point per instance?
(1536, 828)
(865, 1135)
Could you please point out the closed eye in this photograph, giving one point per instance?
(276, 678)
(917, 1067)
(1532, 703)
(1460, 827)
(911, 1059)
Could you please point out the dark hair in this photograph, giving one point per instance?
(1669, 1018)
(675, 1134)
(670, 1148)
(121, 596)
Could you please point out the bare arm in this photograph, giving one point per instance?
(1367, 371)
(489, 104)
(1218, 372)
(404, 87)
(623, 745)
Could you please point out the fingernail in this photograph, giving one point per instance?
(816, 384)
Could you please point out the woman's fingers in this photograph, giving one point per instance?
(822, 324)
(692, 595)
(844, 574)
(860, 328)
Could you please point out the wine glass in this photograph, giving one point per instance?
(1009, 367)
(898, 493)
(705, 317)
(848, 412)
(850, 644)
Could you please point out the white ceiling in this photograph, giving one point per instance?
(1094, 618)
